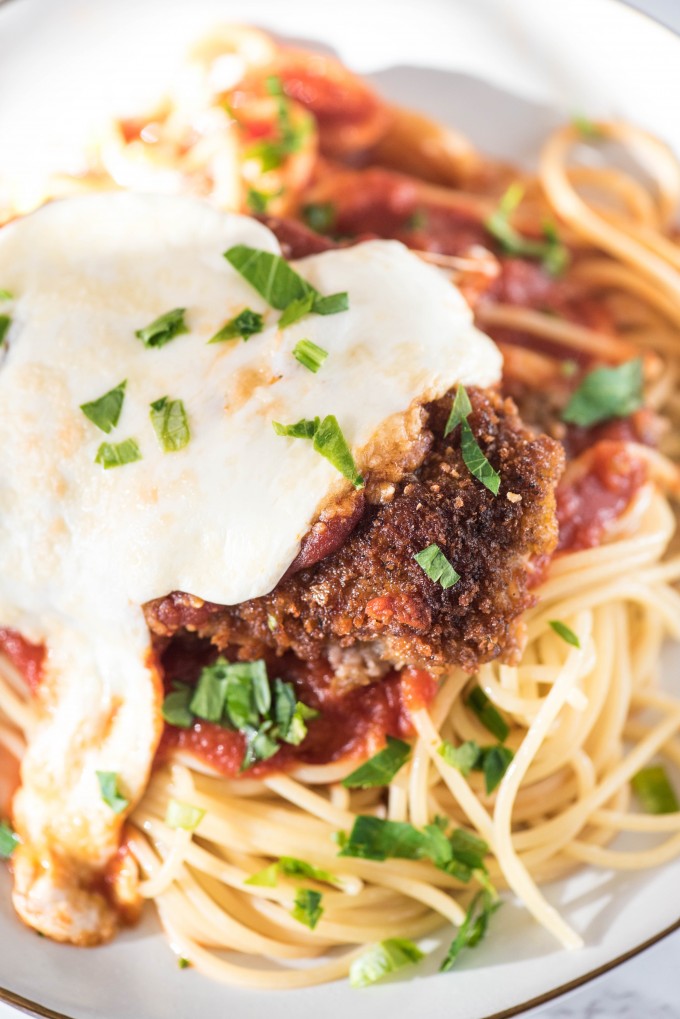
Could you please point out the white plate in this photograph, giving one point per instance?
(504, 71)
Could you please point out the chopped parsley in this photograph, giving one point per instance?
(565, 632)
(473, 457)
(328, 440)
(307, 909)
(9, 840)
(654, 790)
(587, 128)
(606, 393)
(382, 959)
(244, 325)
(117, 454)
(553, 255)
(434, 563)
(473, 927)
(105, 412)
(110, 792)
(183, 815)
(163, 329)
(290, 866)
(6, 295)
(170, 422)
(320, 216)
(5, 323)
(459, 853)
(381, 768)
(309, 355)
(469, 756)
(272, 153)
(487, 714)
(280, 285)
(238, 696)
(296, 310)
(257, 202)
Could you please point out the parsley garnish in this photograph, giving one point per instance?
(563, 631)
(381, 768)
(163, 329)
(588, 129)
(459, 853)
(319, 216)
(246, 324)
(307, 909)
(654, 790)
(296, 310)
(105, 412)
(437, 567)
(328, 440)
(473, 457)
(469, 756)
(383, 959)
(309, 355)
(473, 927)
(111, 795)
(183, 815)
(280, 285)
(271, 153)
(9, 840)
(5, 323)
(606, 393)
(290, 866)
(116, 454)
(237, 695)
(258, 201)
(6, 295)
(554, 256)
(487, 714)
(170, 423)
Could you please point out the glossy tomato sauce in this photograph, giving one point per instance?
(353, 725)
(27, 658)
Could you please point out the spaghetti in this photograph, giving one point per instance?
(585, 715)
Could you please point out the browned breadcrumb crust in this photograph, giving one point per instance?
(370, 596)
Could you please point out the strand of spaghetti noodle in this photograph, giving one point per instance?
(617, 859)
(598, 273)
(516, 874)
(616, 182)
(12, 741)
(559, 330)
(577, 214)
(14, 705)
(637, 822)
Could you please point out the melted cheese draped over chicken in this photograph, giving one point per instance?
(82, 548)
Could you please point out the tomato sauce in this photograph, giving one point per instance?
(351, 725)
(589, 502)
(27, 658)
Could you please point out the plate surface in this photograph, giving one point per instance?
(504, 73)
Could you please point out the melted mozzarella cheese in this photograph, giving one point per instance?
(81, 548)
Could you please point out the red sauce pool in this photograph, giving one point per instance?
(351, 726)
(26, 657)
(592, 501)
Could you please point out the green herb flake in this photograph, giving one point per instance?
(606, 393)
(654, 790)
(487, 714)
(383, 959)
(6, 295)
(117, 454)
(278, 284)
(296, 310)
(473, 457)
(308, 909)
(292, 867)
(105, 412)
(565, 632)
(257, 202)
(495, 763)
(244, 325)
(309, 355)
(176, 710)
(163, 329)
(328, 440)
(9, 840)
(183, 963)
(209, 695)
(320, 216)
(434, 563)
(266, 878)
(473, 927)
(381, 768)
(463, 758)
(5, 323)
(552, 254)
(183, 815)
(110, 792)
(170, 423)
(587, 128)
